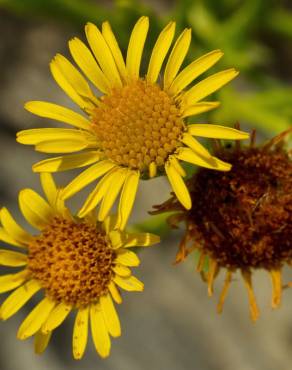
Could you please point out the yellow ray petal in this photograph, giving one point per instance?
(98, 193)
(115, 292)
(13, 229)
(86, 62)
(253, 307)
(127, 258)
(33, 322)
(103, 54)
(217, 132)
(110, 316)
(99, 331)
(193, 70)
(6, 238)
(199, 108)
(35, 209)
(208, 86)
(127, 198)
(276, 276)
(118, 179)
(41, 342)
(58, 113)
(178, 186)
(159, 52)
(136, 46)
(115, 49)
(49, 187)
(196, 146)
(74, 77)
(65, 85)
(152, 170)
(10, 258)
(80, 333)
(141, 240)
(176, 164)
(177, 57)
(62, 146)
(117, 239)
(56, 317)
(122, 270)
(12, 281)
(131, 284)
(110, 223)
(188, 155)
(69, 162)
(86, 177)
(18, 299)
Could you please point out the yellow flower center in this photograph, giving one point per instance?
(138, 124)
(73, 261)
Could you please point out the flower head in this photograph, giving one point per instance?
(137, 128)
(79, 264)
(242, 220)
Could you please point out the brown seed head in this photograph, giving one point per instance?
(138, 124)
(73, 261)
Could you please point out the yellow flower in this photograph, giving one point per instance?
(80, 264)
(137, 128)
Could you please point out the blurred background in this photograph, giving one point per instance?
(173, 324)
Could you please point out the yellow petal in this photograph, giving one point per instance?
(61, 146)
(117, 179)
(152, 170)
(176, 164)
(141, 240)
(35, 319)
(86, 177)
(38, 135)
(41, 342)
(103, 54)
(13, 229)
(12, 281)
(117, 238)
(80, 333)
(131, 284)
(6, 238)
(187, 155)
(178, 186)
(56, 317)
(99, 331)
(159, 52)
(13, 259)
(199, 108)
(49, 187)
(65, 163)
(177, 57)
(18, 299)
(58, 113)
(114, 47)
(98, 193)
(136, 46)
(85, 60)
(195, 145)
(127, 258)
(66, 86)
(35, 209)
(122, 270)
(208, 86)
(110, 223)
(74, 77)
(193, 70)
(127, 198)
(115, 292)
(217, 132)
(110, 316)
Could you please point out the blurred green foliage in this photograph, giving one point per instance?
(255, 36)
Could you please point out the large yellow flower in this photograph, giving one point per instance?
(137, 128)
(80, 264)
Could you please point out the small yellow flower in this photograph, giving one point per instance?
(80, 264)
(137, 128)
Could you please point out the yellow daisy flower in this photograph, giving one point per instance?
(80, 264)
(137, 128)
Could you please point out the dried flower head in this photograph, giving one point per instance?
(79, 264)
(242, 219)
(137, 128)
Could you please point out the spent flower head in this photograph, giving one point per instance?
(242, 219)
(138, 127)
(78, 263)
